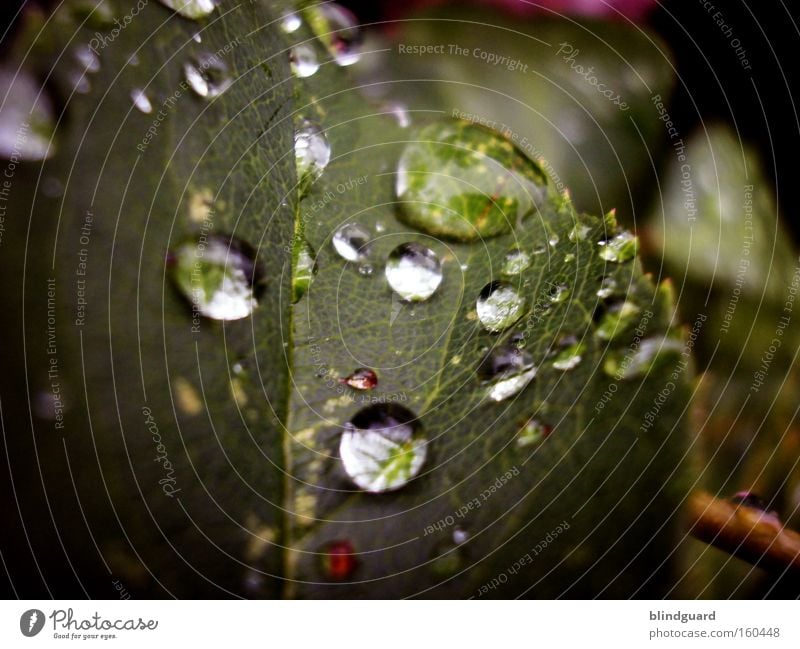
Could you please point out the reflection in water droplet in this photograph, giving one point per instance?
(569, 358)
(616, 319)
(382, 447)
(207, 75)
(351, 241)
(607, 288)
(460, 181)
(507, 370)
(311, 149)
(399, 112)
(218, 276)
(533, 432)
(413, 271)
(579, 232)
(630, 364)
(26, 117)
(88, 59)
(558, 293)
(305, 266)
(197, 37)
(361, 379)
(338, 560)
(499, 306)
(190, 8)
(337, 29)
(141, 101)
(553, 240)
(515, 262)
(303, 60)
(620, 248)
(291, 22)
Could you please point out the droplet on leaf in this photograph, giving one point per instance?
(26, 117)
(141, 101)
(570, 357)
(361, 379)
(351, 241)
(303, 60)
(620, 248)
(305, 266)
(632, 363)
(291, 22)
(506, 370)
(337, 29)
(515, 262)
(532, 432)
(413, 271)
(616, 319)
(207, 75)
(311, 149)
(499, 306)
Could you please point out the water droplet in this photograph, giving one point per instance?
(533, 432)
(88, 59)
(382, 447)
(303, 60)
(621, 248)
(366, 269)
(305, 266)
(191, 8)
(338, 560)
(630, 364)
(337, 29)
(207, 75)
(570, 357)
(351, 241)
(26, 118)
(399, 112)
(558, 293)
(141, 101)
(607, 288)
(553, 239)
(79, 82)
(379, 227)
(507, 370)
(413, 271)
(218, 276)
(515, 262)
(569, 258)
(460, 181)
(311, 149)
(361, 379)
(499, 306)
(579, 232)
(460, 536)
(197, 37)
(616, 319)
(291, 22)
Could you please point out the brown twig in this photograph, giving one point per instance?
(745, 532)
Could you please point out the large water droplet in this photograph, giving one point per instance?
(351, 241)
(337, 29)
(26, 117)
(191, 8)
(507, 370)
(617, 318)
(515, 262)
(460, 181)
(311, 149)
(207, 75)
(382, 447)
(499, 306)
(532, 432)
(630, 364)
(305, 266)
(413, 271)
(621, 248)
(141, 101)
(361, 379)
(218, 276)
(291, 22)
(303, 60)
(338, 560)
(570, 357)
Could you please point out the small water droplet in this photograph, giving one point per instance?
(291, 22)
(379, 227)
(621, 248)
(515, 262)
(460, 181)
(305, 266)
(399, 112)
(351, 241)
(607, 288)
(337, 29)
(630, 364)
(460, 536)
(207, 75)
(553, 239)
(338, 560)
(361, 379)
(413, 271)
(579, 232)
(499, 306)
(303, 60)
(88, 59)
(218, 276)
(191, 8)
(366, 269)
(382, 447)
(133, 59)
(311, 149)
(464, 267)
(569, 358)
(569, 258)
(141, 101)
(532, 432)
(26, 117)
(507, 370)
(616, 319)
(558, 293)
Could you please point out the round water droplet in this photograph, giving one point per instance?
(337, 29)
(197, 37)
(579, 232)
(191, 8)
(338, 560)
(569, 258)
(291, 22)
(607, 288)
(570, 357)
(460, 535)
(303, 60)
(413, 271)
(507, 370)
(515, 262)
(621, 248)
(26, 117)
(362, 379)
(499, 306)
(460, 181)
(207, 75)
(558, 293)
(553, 239)
(87, 58)
(141, 101)
(351, 241)
(305, 266)
(616, 319)
(218, 276)
(382, 447)
(311, 149)
(632, 363)
(533, 432)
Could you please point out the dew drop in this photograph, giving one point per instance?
(366, 269)
(616, 319)
(457, 180)
(607, 288)
(141, 101)
(26, 118)
(413, 271)
(207, 75)
(579, 232)
(621, 248)
(569, 258)
(399, 112)
(311, 149)
(532, 432)
(630, 364)
(361, 379)
(460, 536)
(197, 37)
(515, 262)
(351, 241)
(337, 29)
(382, 447)
(218, 276)
(338, 560)
(88, 59)
(191, 8)
(305, 267)
(499, 306)
(558, 293)
(570, 357)
(303, 60)
(506, 371)
(553, 239)
(291, 22)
